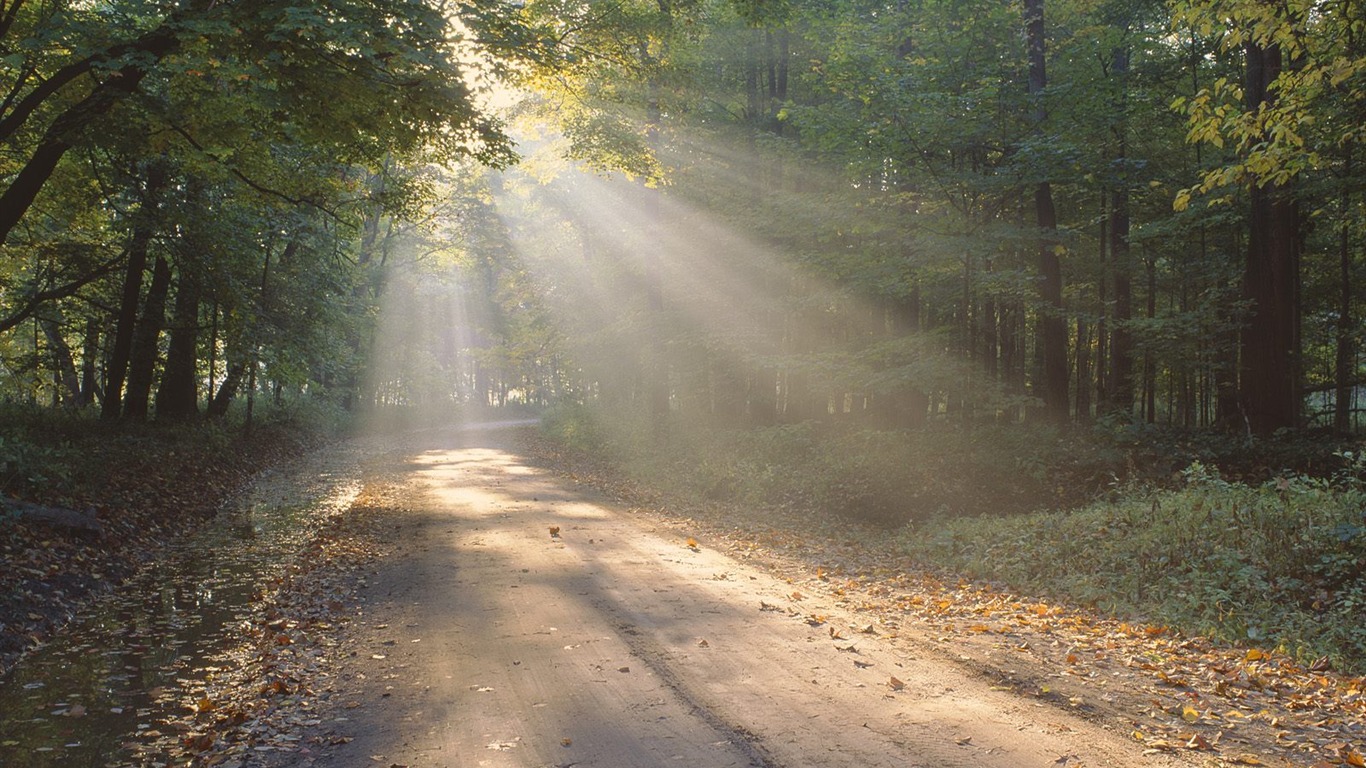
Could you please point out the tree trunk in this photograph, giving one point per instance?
(232, 381)
(1270, 342)
(144, 228)
(142, 361)
(1121, 340)
(63, 362)
(178, 394)
(1344, 364)
(90, 351)
(1083, 371)
(1052, 325)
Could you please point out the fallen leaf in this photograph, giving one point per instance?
(554, 531)
(566, 742)
(895, 684)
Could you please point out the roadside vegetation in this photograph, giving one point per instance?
(1155, 529)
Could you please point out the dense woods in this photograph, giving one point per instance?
(908, 211)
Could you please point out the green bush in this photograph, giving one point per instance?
(1281, 563)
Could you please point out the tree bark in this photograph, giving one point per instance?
(90, 350)
(1121, 340)
(232, 381)
(63, 362)
(144, 228)
(178, 394)
(1269, 381)
(1052, 325)
(1344, 363)
(143, 359)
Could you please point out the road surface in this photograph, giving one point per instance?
(522, 620)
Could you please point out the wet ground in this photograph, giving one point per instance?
(95, 696)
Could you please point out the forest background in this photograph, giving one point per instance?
(942, 266)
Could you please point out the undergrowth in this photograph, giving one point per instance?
(1276, 564)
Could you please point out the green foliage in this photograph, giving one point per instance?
(26, 464)
(1281, 563)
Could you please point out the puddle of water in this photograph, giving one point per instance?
(95, 695)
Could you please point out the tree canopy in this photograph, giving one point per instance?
(739, 212)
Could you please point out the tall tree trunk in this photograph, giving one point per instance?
(90, 352)
(142, 361)
(227, 391)
(63, 363)
(1344, 364)
(1149, 362)
(1083, 371)
(1269, 383)
(1121, 340)
(144, 228)
(178, 394)
(1052, 325)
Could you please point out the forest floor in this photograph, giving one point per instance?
(490, 602)
(143, 491)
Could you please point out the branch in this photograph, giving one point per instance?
(302, 202)
(38, 298)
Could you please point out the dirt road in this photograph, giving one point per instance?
(524, 621)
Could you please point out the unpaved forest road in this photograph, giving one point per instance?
(487, 641)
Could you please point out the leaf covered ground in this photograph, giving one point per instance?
(144, 490)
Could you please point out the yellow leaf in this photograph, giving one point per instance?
(692, 543)
(1254, 655)
(1190, 714)
(1354, 757)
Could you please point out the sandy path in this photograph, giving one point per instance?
(488, 641)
